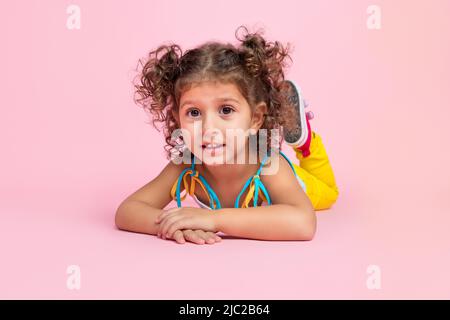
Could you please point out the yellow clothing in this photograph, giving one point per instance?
(317, 174)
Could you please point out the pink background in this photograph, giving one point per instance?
(74, 145)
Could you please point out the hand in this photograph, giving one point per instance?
(185, 218)
(197, 236)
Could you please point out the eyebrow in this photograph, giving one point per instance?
(218, 99)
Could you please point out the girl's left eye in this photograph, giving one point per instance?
(228, 110)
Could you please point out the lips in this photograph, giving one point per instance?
(212, 146)
(213, 149)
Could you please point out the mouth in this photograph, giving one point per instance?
(213, 146)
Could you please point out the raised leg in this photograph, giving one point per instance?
(316, 171)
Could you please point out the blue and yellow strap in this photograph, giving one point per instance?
(190, 188)
(254, 185)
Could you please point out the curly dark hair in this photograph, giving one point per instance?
(256, 67)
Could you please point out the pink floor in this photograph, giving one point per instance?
(74, 146)
(40, 242)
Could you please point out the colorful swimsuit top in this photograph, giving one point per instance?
(253, 184)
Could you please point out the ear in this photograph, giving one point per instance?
(259, 115)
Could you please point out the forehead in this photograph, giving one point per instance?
(211, 90)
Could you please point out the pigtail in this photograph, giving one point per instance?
(155, 86)
(261, 58)
(266, 62)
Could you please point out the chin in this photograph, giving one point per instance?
(213, 161)
(219, 160)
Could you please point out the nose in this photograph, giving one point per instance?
(210, 126)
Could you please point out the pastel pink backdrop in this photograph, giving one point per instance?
(74, 145)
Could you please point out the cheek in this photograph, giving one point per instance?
(241, 123)
(188, 133)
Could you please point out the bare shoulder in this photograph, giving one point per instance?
(281, 182)
(156, 192)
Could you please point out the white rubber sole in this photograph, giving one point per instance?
(302, 115)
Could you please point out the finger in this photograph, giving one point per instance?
(179, 237)
(171, 225)
(214, 236)
(165, 213)
(201, 234)
(160, 216)
(177, 223)
(193, 237)
(166, 223)
(205, 236)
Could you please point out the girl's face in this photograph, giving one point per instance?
(212, 113)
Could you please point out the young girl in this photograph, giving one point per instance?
(204, 97)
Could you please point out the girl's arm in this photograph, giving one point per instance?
(275, 222)
(137, 216)
(290, 217)
(138, 211)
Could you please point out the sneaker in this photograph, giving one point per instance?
(300, 136)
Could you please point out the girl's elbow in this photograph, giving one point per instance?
(119, 218)
(307, 233)
(310, 234)
(308, 227)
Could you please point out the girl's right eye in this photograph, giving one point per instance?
(193, 112)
